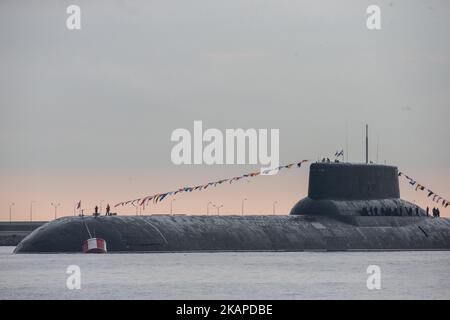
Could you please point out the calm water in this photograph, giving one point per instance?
(303, 275)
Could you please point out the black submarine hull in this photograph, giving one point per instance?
(349, 207)
(164, 233)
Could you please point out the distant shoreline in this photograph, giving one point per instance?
(11, 233)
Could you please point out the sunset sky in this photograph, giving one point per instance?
(88, 114)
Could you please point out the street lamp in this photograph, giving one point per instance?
(171, 206)
(56, 205)
(31, 210)
(273, 207)
(207, 208)
(10, 211)
(242, 207)
(75, 206)
(218, 208)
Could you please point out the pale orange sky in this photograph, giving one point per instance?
(286, 188)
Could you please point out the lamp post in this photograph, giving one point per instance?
(31, 210)
(56, 205)
(242, 205)
(273, 207)
(171, 206)
(207, 208)
(75, 209)
(10, 211)
(218, 208)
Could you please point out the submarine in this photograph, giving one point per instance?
(349, 207)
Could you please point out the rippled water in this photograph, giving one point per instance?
(256, 275)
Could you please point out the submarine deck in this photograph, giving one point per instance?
(188, 233)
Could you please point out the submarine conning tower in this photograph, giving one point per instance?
(354, 189)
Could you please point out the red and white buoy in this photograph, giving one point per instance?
(94, 245)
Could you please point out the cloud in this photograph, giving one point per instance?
(235, 55)
(406, 108)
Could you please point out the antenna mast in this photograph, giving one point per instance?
(346, 141)
(367, 143)
(378, 142)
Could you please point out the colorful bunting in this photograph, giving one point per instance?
(339, 153)
(435, 197)
(160, 196)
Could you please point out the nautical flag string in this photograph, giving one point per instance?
(430, 194)
(339, 153)
(161, 196)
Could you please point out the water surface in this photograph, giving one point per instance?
(237, 275)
